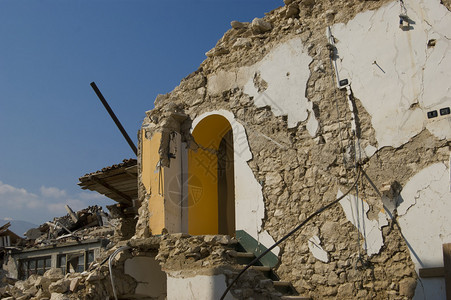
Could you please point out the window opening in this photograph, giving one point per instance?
(62, 262)
(37, 265)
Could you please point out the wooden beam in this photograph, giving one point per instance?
(114, 181)
(133, 171)
(432, 272)
(126, 198)
(447, 263)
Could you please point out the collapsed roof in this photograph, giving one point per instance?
(117, 182)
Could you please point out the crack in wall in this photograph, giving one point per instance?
(419, 194)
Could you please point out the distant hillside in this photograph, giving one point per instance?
(19, 227)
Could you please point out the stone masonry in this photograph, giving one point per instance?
(300, 173)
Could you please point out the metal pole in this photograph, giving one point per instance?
(113, 116)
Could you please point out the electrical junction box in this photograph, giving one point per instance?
(343, 83)
(438, 114)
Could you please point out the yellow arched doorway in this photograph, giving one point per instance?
(211, 186)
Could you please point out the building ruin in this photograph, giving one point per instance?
(285, 115)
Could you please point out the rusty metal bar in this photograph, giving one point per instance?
(113, 116)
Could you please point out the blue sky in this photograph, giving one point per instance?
(53, 128)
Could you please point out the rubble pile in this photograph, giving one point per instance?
(186, 255)
(182, 253)
(142, 225)
(10, 239)
(92, 284)
(89, 224)
(3, 278)
(252, 285)
(85, 224)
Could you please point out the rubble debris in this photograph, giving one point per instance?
(260, 26)
(33, 233)
(8, 240)
(79, 233)
(71, 213)
(71, 226)
(205, 254)
(7, 237)
(238, 25)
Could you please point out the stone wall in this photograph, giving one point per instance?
(277, 76)
(200, 267)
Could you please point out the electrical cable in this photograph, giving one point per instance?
(332, 50)
(356, 142)
(358, 227)
(404, 20)
(333, 67)
(110, 267)
(290, 233)
(393, 216)
(160, 178)
(101, 264)
(403, 8)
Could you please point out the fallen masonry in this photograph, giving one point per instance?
(317, 101)
(173, 255)
(70, 243)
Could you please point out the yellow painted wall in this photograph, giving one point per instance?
(203, 176)
(151, 179)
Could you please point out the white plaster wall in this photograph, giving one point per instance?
(198, 287)
(249, 205)
(314, 245)
(409, 79)
(147, 272)
(356, 210)
(286, 71)
(426, 225)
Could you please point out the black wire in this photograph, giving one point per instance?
(290, 233)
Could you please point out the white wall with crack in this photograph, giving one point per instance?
(399, 74)
(294, 129)
(279, 81)
(356, 210)
(425, 223)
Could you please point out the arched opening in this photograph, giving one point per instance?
(211, 186)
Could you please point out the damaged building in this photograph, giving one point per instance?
(7, 237)
(70, 243)
(287, 114)
(8, 240)
(330, 117)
